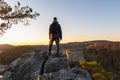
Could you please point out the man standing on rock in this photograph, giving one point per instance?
(55, 34)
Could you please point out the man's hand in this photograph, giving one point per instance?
(50, 36)
(60, 39)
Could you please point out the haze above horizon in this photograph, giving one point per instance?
(81, 20)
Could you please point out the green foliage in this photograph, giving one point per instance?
(4, 7)
(106, 54)
(8, 56)
(97, 71)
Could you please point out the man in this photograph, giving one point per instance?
(55, 34)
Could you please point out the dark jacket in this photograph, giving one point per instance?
(55, 29)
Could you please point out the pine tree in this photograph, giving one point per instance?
(9, 15)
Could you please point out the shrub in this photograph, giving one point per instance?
(97, 71)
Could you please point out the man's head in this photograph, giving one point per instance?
(55, 19)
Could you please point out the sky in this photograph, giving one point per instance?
(80, 20)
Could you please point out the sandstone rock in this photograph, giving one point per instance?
(25, 67)
(77, 56)
(74, 56)
(72, 74)
(54, 64)
(33, 66)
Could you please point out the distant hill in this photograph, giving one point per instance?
(4, 47)
(70, 45)
(75, 45)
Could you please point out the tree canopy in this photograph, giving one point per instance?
(18, 13)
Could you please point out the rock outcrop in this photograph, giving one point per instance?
(37, 66)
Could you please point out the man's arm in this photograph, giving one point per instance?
(60, 32)
(50, 35)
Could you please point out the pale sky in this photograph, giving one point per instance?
(81, 20)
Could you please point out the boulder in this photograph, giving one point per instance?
(54, 64)
(26, 67)
(75, 73)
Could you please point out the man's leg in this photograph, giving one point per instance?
(57, 44)
(50, 46)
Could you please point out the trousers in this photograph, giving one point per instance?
(55, 38)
